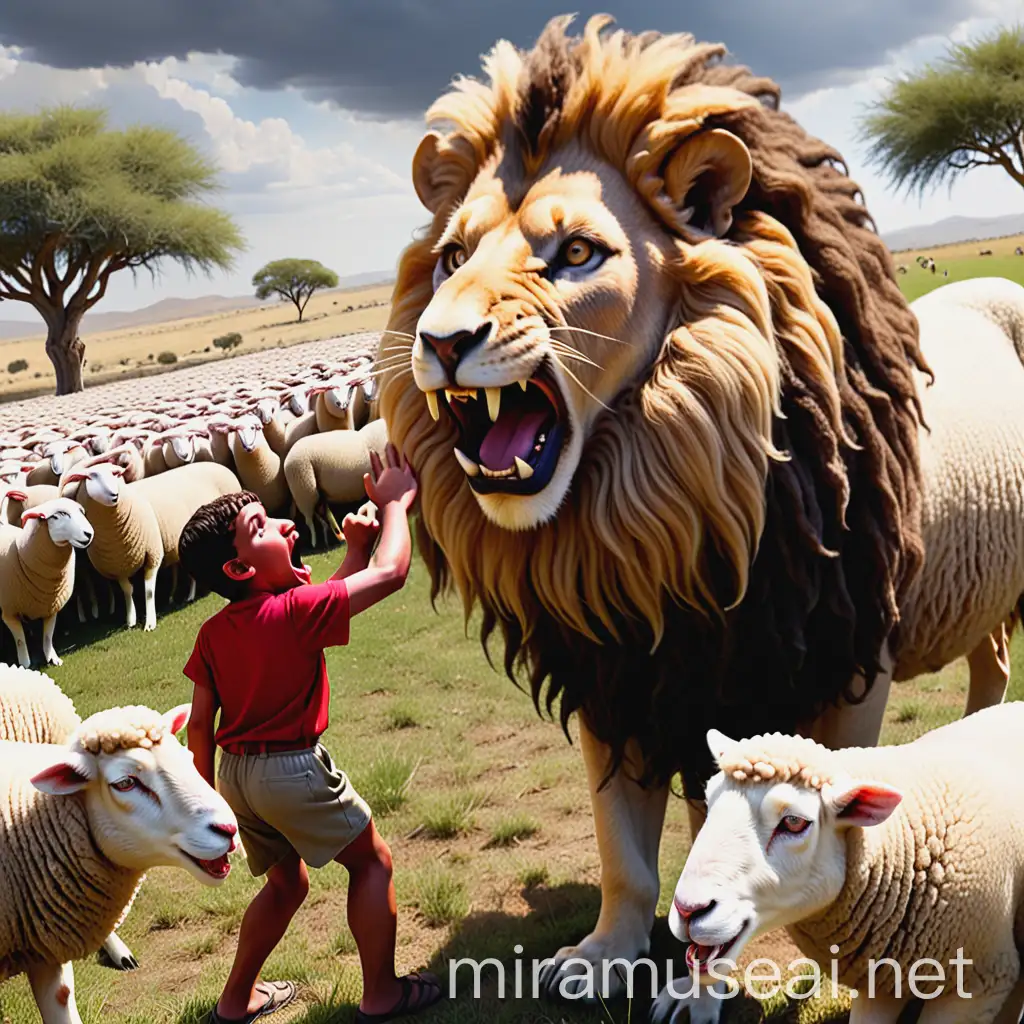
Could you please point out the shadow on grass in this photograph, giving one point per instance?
(558, 916)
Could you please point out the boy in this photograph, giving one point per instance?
(260, 661)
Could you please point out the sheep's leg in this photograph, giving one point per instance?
(80, 604)
(113, 599)
(53, 986)
(114, 953)
(879, 1009)
(90, 589)
(628, 821)
(129, 601)
(989, 665)
(174, 584)
(149, 586)
(981, 1008)
(191, 590)
(311, 523)
(49, 652)
(18, 632)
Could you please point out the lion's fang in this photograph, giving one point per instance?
(493, 402)
(524, 384)
(525, 469)
(435, 412)
(470, 467)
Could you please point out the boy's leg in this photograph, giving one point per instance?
(263, 926)
(373, 920)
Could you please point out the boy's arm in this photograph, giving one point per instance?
(201, 731)
(391, 564)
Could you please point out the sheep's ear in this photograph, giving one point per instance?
(718, 743)
(71, 773)
(177, 718)
(864, 803)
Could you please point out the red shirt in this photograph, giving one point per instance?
(264, 658)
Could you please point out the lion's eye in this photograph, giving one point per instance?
(453, 257)
(794, 824)
(125, 784)
(578, 251)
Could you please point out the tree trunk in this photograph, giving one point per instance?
(67, 353)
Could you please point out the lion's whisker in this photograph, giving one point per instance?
(399, 334)
(582, 385)
(571, 353)
(583, 330)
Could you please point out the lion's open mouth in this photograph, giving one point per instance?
(510, 437)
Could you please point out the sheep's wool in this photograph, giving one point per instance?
(775, 757)
(120, 729)
(33, 709)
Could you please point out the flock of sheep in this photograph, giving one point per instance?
(117, 484)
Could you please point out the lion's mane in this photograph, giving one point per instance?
(744, 521)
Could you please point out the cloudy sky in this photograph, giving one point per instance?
(313, 108)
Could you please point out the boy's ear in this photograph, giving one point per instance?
(238, 571)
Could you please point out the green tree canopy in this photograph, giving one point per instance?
(965, 111)
(79, 202)
(295, 280)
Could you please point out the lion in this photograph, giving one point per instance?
(667, 406)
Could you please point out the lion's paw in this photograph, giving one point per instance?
(673, 1002)
(597, 968)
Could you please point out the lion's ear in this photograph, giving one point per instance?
(706, 177)
(442, 169)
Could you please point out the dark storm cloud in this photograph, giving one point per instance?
(390, 58)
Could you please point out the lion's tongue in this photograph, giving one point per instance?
(513, 434)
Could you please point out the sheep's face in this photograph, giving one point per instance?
(770, 854)
(338, 401)
(102, 482)
(266, 410)
(149, 807)
(65, 520)
(179, 449)
(249, 431)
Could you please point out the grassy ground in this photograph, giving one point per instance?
(484, 805)
(960, 261)
(112, 355)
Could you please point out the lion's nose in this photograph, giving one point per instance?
(451, 349)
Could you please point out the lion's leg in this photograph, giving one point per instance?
(856, 725)
(989, 665)
(628, 821)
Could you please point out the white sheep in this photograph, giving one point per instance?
(331, 467)
(83, 822)
(127, 532)
(34, 709)
(37, 569)
(58, 457)
(872, 859)
(258, 466)
(175, 495)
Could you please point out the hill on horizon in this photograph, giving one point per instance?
(176, 309)
(951, 230)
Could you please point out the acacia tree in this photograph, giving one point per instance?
(295, 280)
(965, 111)
(79, 202)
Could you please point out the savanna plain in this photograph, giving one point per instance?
(483, 802)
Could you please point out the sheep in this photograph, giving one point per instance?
(331, 465)
(333, 407)
(127, 533)
(83, 821)
(175, 495)
(59, 456)
(901, 852)
(258, 466)
(34, 709)
(37, 569)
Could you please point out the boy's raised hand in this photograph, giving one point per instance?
(360, 530)
(397, 482)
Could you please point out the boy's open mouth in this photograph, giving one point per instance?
(303, 573)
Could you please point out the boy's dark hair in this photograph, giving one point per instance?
(208, 541)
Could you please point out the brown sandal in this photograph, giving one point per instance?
(279, 994)
(420, 980)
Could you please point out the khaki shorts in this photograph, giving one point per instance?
(297, 800)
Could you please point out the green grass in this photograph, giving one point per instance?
(483, 804)
(917, 282)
